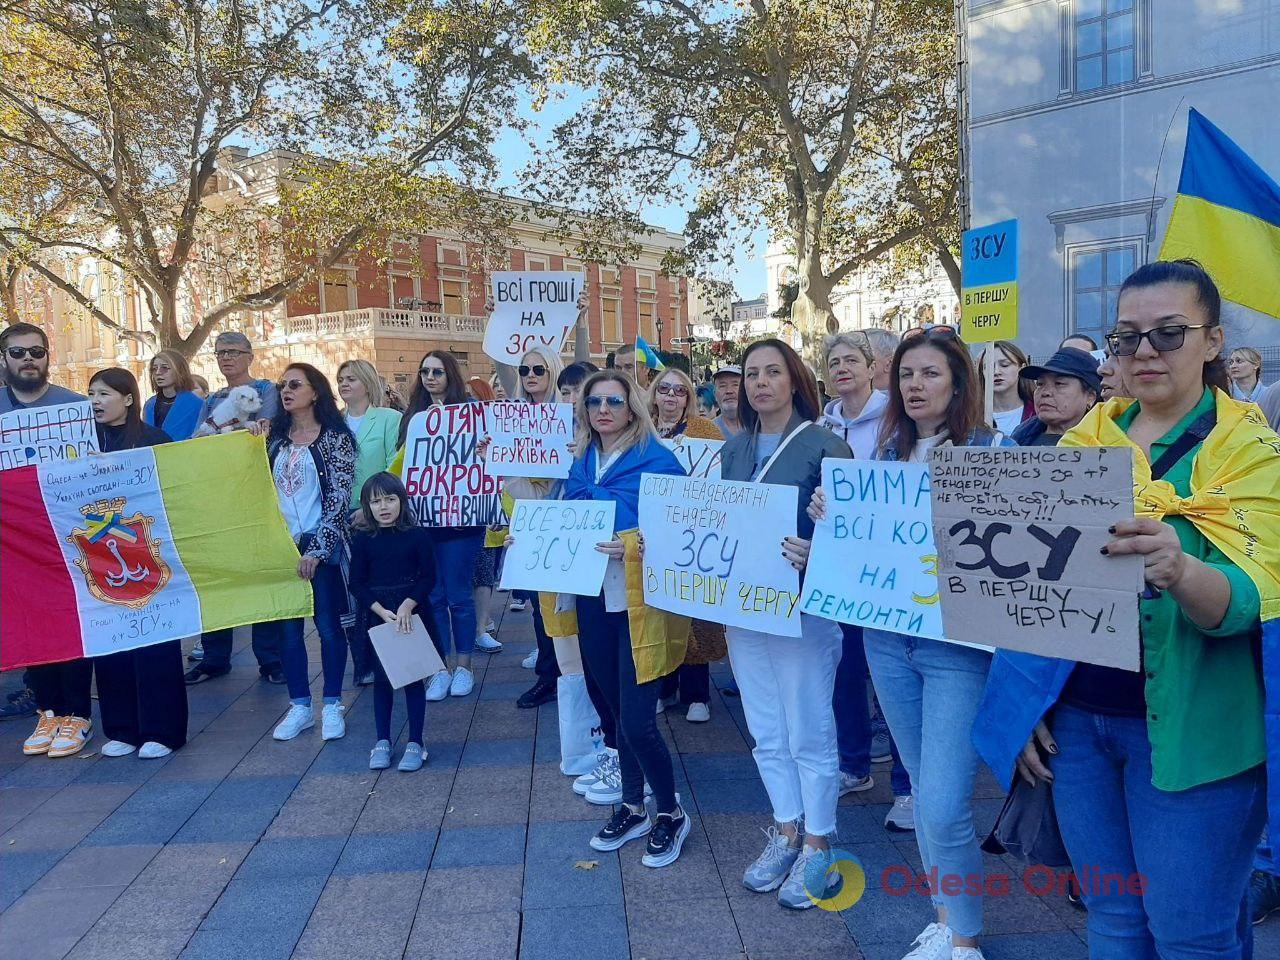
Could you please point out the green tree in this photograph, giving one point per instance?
(830, 121)
(132, 110)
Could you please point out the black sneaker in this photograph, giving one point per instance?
(200, 673)
(1264, 895)
(544, 691)
(21, 704)
(624, 826)
(666, 839)
(274, 675)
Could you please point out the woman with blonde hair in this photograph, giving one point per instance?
(1244, 367)
(1011, 395)
(175, 407)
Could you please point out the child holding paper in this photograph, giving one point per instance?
(392, 573)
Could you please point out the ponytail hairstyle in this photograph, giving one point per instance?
(1193, 273)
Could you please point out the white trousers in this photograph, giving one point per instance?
(786, 685)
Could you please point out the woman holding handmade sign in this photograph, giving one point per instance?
(453, 604)
(673, 404)
(787, 682)
(313, 461)
(1158, 775)
(141, 694)
(626, 646)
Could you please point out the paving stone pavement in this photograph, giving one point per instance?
(240, 847)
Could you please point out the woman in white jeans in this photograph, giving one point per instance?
(787, 682)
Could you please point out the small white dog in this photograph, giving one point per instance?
(234, 412)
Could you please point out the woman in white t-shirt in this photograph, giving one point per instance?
(1010, 393)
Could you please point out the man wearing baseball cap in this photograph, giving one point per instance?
(727, 380)
(235, 356)
(1064, 388)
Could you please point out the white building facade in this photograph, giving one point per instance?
(1068, 104)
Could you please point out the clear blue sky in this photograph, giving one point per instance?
(747, 270)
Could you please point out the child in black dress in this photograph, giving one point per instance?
(392, 573)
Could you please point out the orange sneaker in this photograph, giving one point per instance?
(73, 734)
(46, 729)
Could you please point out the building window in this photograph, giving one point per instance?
(1104, 43)
(647, 311)
(335, 293)
(1096, 274)
(453, 254)
(645, 280)
(453, 297)
(611, 319)
(534, 262)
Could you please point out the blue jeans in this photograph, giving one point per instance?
(452, 602)
(330, 601)
(1265, 859)
(929, 691)
(853, 715)
(1192, 849)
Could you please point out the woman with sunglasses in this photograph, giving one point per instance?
(786, 683)
(312, 453)
(1158, 775)
(617, 444)
(453, 604)
(673, 405)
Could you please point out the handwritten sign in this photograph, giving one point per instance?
(555, 546)
(873, 562)
(529, 439)
(989, 284)
(47, 434)
(533, 309)
(448, 484)
(700, 458)
(712, 550)
(1019, 533)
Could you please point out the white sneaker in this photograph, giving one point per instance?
(117, 748)
(852, 784)
(486, 644)
(934, 943)
(300, 717)
(153, 751)
(530, 661)
(901, 817)
(698, 713)
(463, 683)
(438, 688)
(607, 760)
(967, 953)
(517, 605)
(332, 725)
(608, 789)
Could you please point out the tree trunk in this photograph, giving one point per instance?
(9, 295)
(812, 312)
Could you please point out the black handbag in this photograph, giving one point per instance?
(1027, 827)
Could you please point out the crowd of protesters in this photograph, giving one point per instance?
(1158, 773)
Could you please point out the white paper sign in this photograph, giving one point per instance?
(700, 458)
(529, 439)
(713, 551)
(531, 309)
(47, 434)
(873, 562)
(555, 546)
(405, 657)
(449, 484)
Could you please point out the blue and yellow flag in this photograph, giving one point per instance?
(647, 355)
(1227, 216)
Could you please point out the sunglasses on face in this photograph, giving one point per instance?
(672, 390)
(1163, 339)
(430, 373)
(538, 370)
(35, 353)
(228, 354)
(613, 401)
(293, 384)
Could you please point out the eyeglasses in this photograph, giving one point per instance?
(35, 353)
(430, 373)
(538, 370)
(291, 384)
(672, 390)
(227, 354)
(613, 400)
(1163, 339)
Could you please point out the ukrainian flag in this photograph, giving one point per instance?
(1227, 216)
(647, 355)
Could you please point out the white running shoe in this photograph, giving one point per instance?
(934, 943)
(608, 789)
(967, 953)
(117, 748)
(438, 688)
(486, 644)
(852, 784)
(153, 751)
(531, 660)
(299, 718)
(606, 760)
(517, 605)
(901, 817)
(698, 713)
(463, 683)
(332, 725)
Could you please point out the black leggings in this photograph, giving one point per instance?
(605, 640)
(415, 700)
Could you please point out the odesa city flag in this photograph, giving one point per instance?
(118, 551)
(1227, 216)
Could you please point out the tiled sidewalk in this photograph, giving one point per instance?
(241, 847)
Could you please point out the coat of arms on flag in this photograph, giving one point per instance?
(120, 561)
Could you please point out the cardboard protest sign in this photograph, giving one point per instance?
(700, 458)
(873, 562)
(555, 546)
(532, 309)
(1019, 533)
(406, 657)
(449, 484)
(529, 439)
(712, 550)
(46, 434)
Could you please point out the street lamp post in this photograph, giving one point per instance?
(658, 324)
